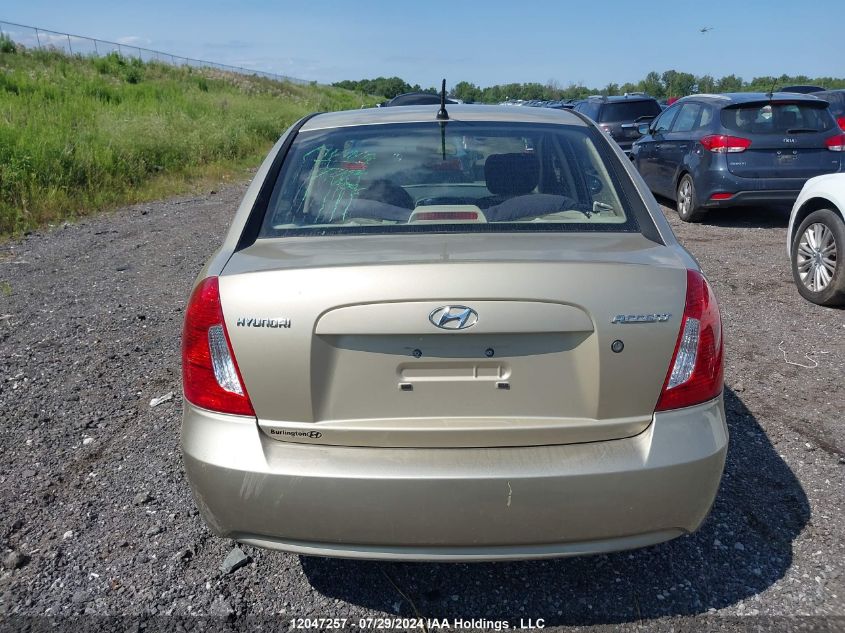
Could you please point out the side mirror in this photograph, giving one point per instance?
(643, 129)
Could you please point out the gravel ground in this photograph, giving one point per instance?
(97, 518)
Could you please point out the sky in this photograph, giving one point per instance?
(486, 43)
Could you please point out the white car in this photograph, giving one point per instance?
(816, 240)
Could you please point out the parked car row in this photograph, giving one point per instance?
(559, 104)
(713, 151)
(415, 98)
(710, 151)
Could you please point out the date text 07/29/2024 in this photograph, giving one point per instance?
(423, 624)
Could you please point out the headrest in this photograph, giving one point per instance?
(788, 119)
(511, 174)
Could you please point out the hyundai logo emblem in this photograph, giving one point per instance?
(453, 317)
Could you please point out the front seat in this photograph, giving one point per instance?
(788, 120)
(509, 175)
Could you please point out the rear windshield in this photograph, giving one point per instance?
(778, 118)
(629, 110)
(466, 176)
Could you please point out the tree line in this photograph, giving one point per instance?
(670, 83)
(388, 87)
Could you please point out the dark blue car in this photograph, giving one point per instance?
(713, 151)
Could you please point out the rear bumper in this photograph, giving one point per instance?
(456, 504)
(750, 198)
(746, 191)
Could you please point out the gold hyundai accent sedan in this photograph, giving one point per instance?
(463, 335)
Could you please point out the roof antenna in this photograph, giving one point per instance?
(442, 115)
(771, 91)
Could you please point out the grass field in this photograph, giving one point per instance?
(81, 134)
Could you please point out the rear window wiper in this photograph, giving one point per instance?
(799, 130)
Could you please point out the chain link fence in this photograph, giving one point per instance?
(34, 37)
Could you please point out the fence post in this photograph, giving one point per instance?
(96, 50)
(37, 39)
(69, 47)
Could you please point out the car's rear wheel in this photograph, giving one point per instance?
(687, 200)
(817, 258)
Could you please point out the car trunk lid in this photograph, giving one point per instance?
(337, 339)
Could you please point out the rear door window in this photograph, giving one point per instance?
(706, 117)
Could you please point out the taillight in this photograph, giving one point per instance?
(210, 375)
(721, 143)
(841, 122)
(696, 371)
(722, 195)
(836, 143)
